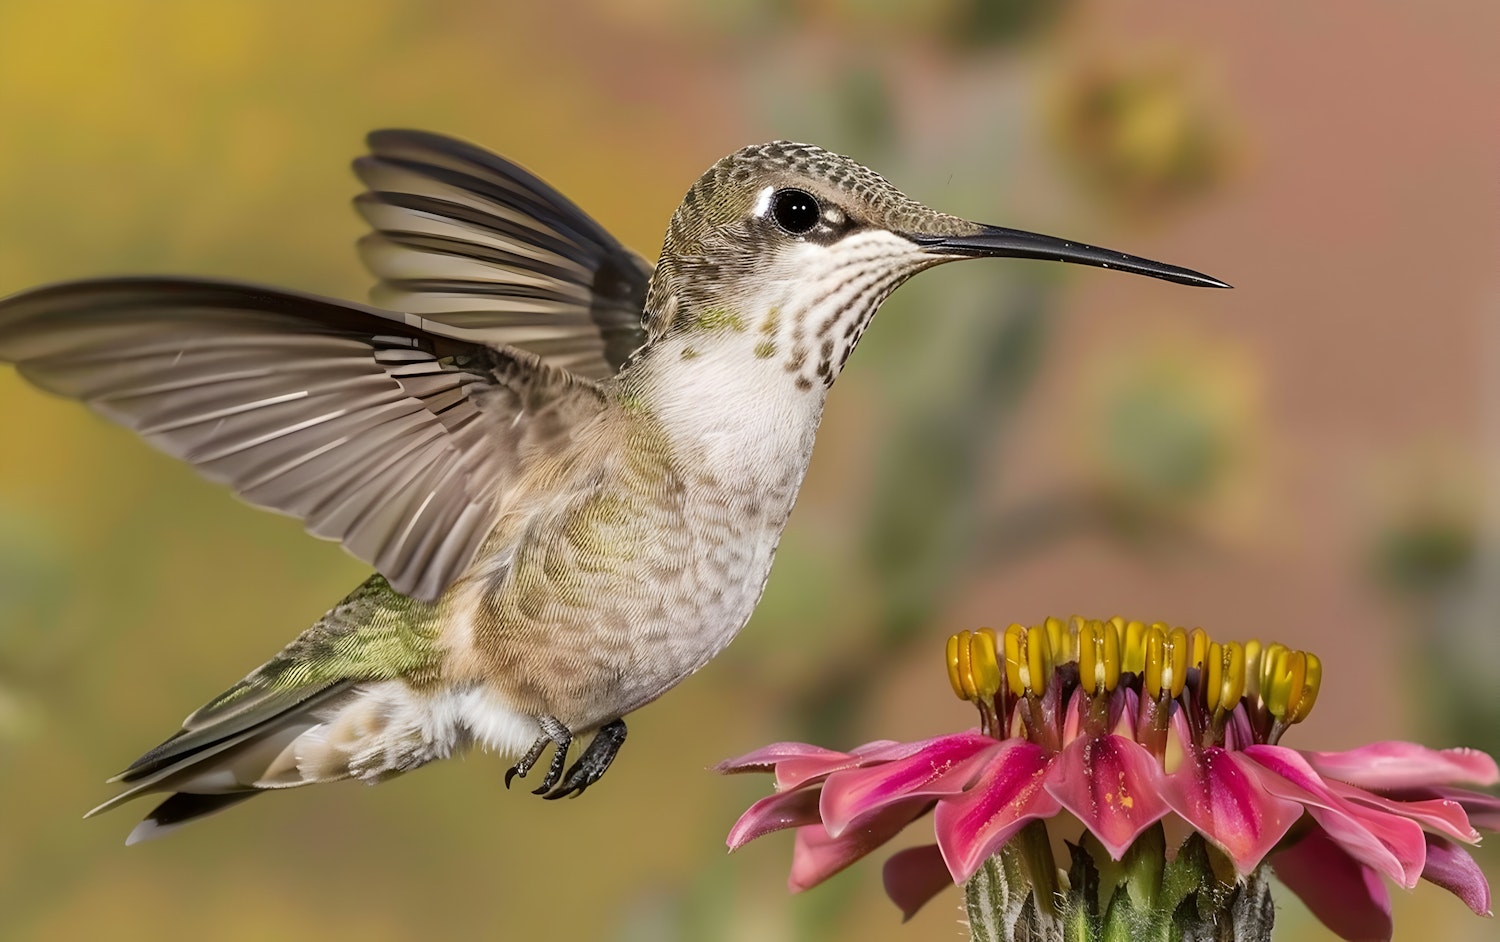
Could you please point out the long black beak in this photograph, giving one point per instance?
(999, 242)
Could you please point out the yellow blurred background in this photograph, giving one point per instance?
(1311, 457)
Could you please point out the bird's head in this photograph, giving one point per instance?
(795, 248)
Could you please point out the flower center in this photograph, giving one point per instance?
(1025, 679)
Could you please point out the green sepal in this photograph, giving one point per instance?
(1195, 897)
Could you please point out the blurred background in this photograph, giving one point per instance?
(1313, 457)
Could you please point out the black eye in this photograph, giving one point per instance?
(795, 211)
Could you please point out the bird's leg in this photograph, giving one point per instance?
(553, 733)
(594, 762)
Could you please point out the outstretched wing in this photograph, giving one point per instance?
(391, 438)
(471, 240)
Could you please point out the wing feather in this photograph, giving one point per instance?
(469, 240)
(398, 441)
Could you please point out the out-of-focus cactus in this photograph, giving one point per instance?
(1427, 510)
(1144, 136)
(979, 24)
(1168, 431)
(1430, 547)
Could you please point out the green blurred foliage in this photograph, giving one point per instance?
(1168, 432)
(1427, 521)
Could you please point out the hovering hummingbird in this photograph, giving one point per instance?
(569, 470)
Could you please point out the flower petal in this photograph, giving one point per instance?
(944, 766)
(1451, 867)
(795, 773)
(973, 825)
(816, 856)
(1391, 765)
(767, 758)
(1222, 795)
(1435, 814)
(914, 876)
(1483, 810)
(782, 810)
(1390, 843)
(1347, 897)
(1112, 785)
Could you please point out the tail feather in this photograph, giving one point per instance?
(180, 809)
(208, 774)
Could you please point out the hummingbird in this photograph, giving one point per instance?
(569, 468)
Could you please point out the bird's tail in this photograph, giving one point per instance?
(210, 767)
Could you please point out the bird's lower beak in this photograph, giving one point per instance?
(999, 242)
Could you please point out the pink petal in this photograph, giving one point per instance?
(1483, 810)
(1238, 733)
(1392, 765)
(795, 773)
(975, 824)
(766, 758)
(1451, 867)
(1124, 707)
(816, 856)
(944, 766)
(1390, 843)
(1222, 795)
(1435, 814)
(1112, 785)
(1347, 897)
(914, 876)
(1073, 719)
(781, 810)
(884, 750)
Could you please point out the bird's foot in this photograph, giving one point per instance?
(554, 733)
(594, 762)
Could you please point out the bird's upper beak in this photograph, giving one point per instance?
(999, 242)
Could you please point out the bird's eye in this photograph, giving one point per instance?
(795, 211)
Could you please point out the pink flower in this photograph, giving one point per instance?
(1121, 726)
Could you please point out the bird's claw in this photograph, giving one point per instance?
(589, 768)
(553, 733)
(592, 765)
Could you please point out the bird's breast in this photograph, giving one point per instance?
(630, 578)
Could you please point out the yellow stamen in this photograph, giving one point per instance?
(1039, 662)
(1301, 705)
(1166, 661)
(1199, 655)
(1280, 683)
(966, 663)
(1111, 657)
(1153, 668)
(1133, 648)
(984, 661)
(1232, 675)
(1179, 648)
(1252, 665)
(1015, 658)
(1090, 658)
(954, 643)
(1059, 639)
(1290, 683)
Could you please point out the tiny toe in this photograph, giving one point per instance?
(594, 762)
(554, 771)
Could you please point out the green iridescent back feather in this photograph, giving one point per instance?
(375, 633)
